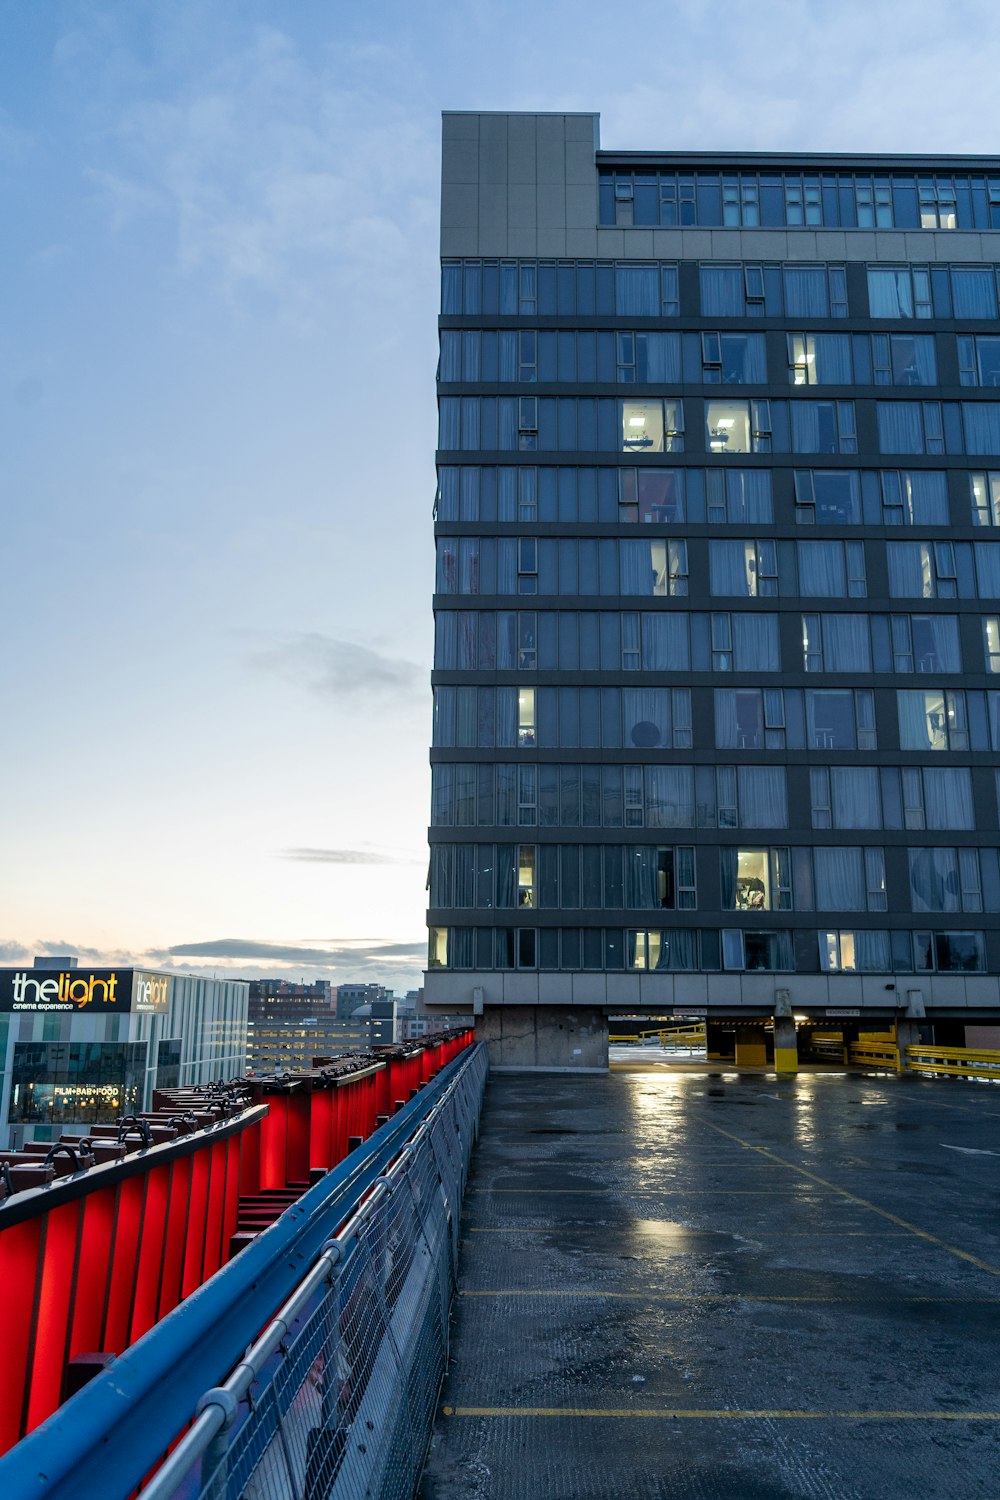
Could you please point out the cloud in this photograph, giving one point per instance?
(15, 953)
(337, 669)
(268, 164)
(248, 948)
(345, 857)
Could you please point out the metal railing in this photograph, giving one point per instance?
(690, 1038)
(875, 1055)
(335, 1398)
(978, 1063)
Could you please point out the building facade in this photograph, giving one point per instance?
(81, 1047)
(716, 691)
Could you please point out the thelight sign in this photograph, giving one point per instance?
(84, 991)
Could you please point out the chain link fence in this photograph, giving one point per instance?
(335, 1400)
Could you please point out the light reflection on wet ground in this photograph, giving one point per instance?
(658, 1243)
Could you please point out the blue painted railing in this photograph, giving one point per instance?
(118, 1428)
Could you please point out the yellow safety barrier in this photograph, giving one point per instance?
(958, 1062)
(875, 1055)
(673, 1036)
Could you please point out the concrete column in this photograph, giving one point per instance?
(786, 1045)
(751, 1045)
(907, 1035)
(545, 1038)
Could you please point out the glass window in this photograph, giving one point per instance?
(985, 495)
(827, 497)
(820, 359)
(652, 426)
(840, 719)
(932, 720)
(755, 879)
(746, 568)
(526, 717)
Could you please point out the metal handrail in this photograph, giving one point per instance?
(955, 1062)
(120, 1424)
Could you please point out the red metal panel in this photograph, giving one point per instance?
(297, 1146)
(274, 1128)
(250, 1160)
(175, 1235)
(151, 1252)
(94, 1265)
(54, 1308)
(19, 1268)
(383, 1084)
(321, 1116)
(213, 1254)
(232, 1196)
(124, 1253)
(194, 1240)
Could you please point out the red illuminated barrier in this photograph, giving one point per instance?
(146, 1212)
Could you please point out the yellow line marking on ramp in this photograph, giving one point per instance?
(726, 1414)
(653, 1294)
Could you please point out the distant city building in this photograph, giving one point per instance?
(84, 1046)
(382, 1018)
(288, 1043)
(350, 996)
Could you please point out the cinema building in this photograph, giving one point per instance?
(83, 1046)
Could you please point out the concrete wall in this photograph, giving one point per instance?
(547, 1039)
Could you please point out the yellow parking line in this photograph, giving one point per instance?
(923, 1234)
(726, 1414)
(655, 1294)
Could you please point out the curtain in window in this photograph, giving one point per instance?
(763, 797)
(748, 495)
(728, 867)
(927, 492)
(779, 951)
(833, 359)
(846, 646)
(451, 356)
(935, 643)
(441, 879)
(973, 291)
(449, 421)
(871, 952)
(728, 568)
(982, 426)
(914, 728)
(722, 292)
(805, 427)
(508, 357)
(922, 349)
(451, 289)
(658, 358)
(678, 949)
(839, 880)
(507, 433)
(641, 885)
(669, 797)
(725, 719)
(755, 643)
(442, 796)
(638, 573)
(446, 640)
(505, 656)
(507, 565)
(934, 881)
(900, 426)
(505, 877)
(806, 292)
(890, 294)
(646, 713)
(506, 716)
(948, 798)
(855, 794)
(743, 359)
(988, 569)
(637, 291)
(822, 572)
(907, 570)
(665, 643)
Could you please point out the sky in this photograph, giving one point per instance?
(218, 250)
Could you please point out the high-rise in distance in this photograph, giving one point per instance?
(716, 691)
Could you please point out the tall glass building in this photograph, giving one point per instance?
(717, 661)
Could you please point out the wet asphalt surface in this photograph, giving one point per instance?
(658, 1299)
